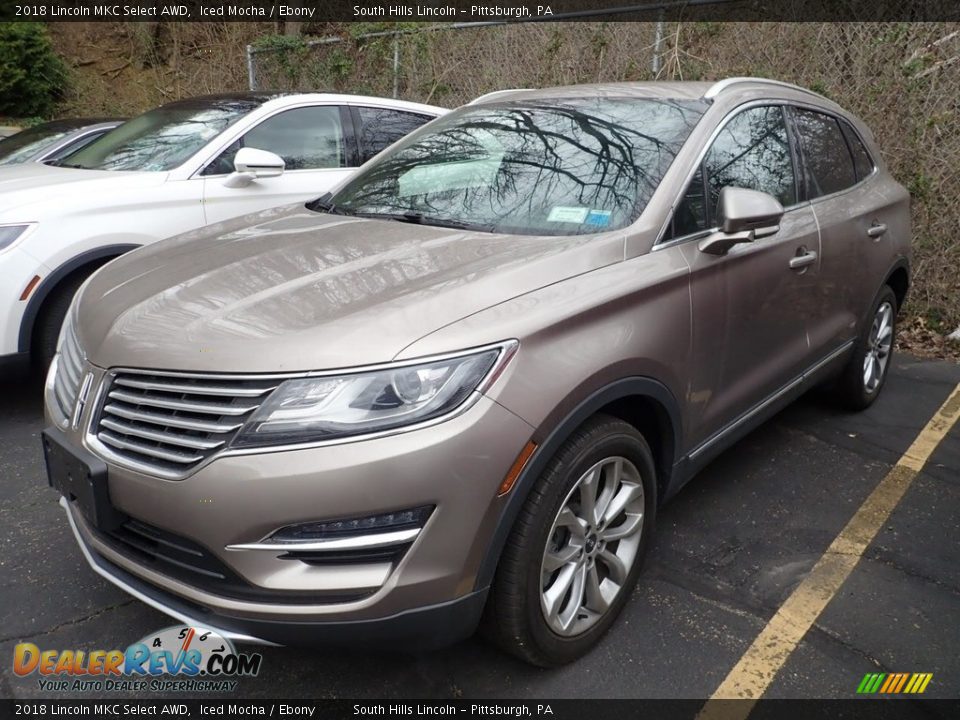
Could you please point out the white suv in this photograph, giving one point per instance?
(176, 168)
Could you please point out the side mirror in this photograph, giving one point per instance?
(252, 164)
(745, 215)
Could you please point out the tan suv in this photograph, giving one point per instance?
(458, 388)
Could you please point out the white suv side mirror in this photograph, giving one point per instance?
(252, 164)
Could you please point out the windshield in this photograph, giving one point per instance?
(161, 139)
(22, 146)
(558, 167)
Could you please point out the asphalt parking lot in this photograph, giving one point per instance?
(731, 547)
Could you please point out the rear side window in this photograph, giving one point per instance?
(826, 155)
(862, 162)
(378, 128)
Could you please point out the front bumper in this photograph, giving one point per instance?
(429, 594)
(415, 630)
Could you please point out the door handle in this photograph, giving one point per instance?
(876, 230)
(801, 261)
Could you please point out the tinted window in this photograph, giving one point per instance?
(825, 152)
(308, 138)
(752, 151)
(71, 148)
(22, 146)
(691, 213)
(382, 127)
(862, 162)
(564, 167)
(164, 138)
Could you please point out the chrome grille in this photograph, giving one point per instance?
(66, 384)
(169, 424)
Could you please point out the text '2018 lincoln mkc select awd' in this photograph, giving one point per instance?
(453, 392)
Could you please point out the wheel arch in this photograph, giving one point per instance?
(645, 403)
(95, 258)
(898, 278)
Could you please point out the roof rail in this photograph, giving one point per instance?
(722, 85)
(496, 93)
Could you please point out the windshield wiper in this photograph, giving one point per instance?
(323, 204)
(60, 163)
(415, 218)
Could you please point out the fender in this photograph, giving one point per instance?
(901, 263)
(626, 387)
(53, 279)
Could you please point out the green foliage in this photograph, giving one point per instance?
(32, 75)
(339, 65)
(709, 29)
(936, 319)
(286, 53)
(920, 186)
(819, 86)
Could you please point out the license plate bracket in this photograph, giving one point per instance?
(82, 479)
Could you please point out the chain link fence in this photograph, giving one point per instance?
(903, 79)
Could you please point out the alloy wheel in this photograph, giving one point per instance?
(592, 546)
(879, 342)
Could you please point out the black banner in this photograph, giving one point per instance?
(474, 11)
(853, 709)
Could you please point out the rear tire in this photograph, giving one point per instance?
(563, 579)
(46, 330)
(866, 373)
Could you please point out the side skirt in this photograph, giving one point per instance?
(702, 454)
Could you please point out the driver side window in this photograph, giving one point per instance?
(752, 151)
(308, 138)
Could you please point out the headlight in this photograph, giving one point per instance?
(343, 405)
(9, 234)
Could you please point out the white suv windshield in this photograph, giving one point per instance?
(558, 167)
(163, 138)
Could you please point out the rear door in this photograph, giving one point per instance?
(313, 143)
(855, 248)
(749, 306)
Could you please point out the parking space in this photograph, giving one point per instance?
(731, 547)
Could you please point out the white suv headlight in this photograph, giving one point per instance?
(335, 406)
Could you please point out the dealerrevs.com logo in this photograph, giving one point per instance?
(179, 658)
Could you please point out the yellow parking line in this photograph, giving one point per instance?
(754, 672)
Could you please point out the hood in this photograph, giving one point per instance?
(29, 183)
(293, 290)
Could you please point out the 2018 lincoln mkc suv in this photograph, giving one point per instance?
(454, 391)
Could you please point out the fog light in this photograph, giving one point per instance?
(387, 522)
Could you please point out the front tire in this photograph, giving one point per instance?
(865, 374)
(577, 548)
(46, 331)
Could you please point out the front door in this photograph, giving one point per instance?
(749, 306)
(311, 141)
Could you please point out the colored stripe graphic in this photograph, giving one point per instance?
(893, 683)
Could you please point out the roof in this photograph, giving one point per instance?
(682, 89)
(254, 99)
(67, 124)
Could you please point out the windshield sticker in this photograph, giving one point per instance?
(598, 218)
(568, 214)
